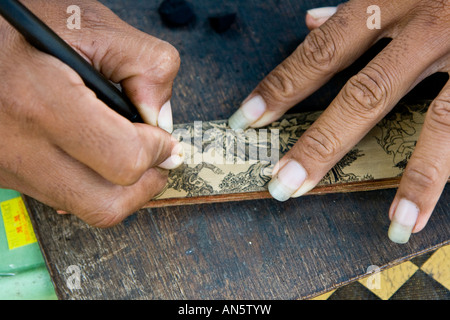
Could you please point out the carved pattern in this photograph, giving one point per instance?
(383, 153)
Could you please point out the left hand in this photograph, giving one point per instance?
(420, 47)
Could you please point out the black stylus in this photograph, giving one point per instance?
(38, 34)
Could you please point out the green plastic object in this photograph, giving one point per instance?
(23, 273)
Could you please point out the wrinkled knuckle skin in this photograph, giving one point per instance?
(172, 55)
(106, 213)
(96, 16)
(366, 94)
(319, 51)
(421, 178)
(8, 37)
(168, 62)
(439, 115)
(28, 115)
(279, 85)
(320, 145)
(104, 218)
(434, 13)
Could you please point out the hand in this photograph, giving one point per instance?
(59, 143)
(420, 47)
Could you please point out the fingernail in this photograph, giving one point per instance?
(149, 115)
(248, 113)
(287, 181)
(176, 158)
(165, 120)
(61, 212)
(403, 221)
(305, 188)
(320, 13)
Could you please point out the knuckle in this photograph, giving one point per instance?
(421, 177)
(28, 109)
(280, 84)
(104, 217)
(97, 17)
(105, 213)
(319, 50)
(94, 18)
(106, 220)
(439, 115)
(10, 39)
(366, 93)
(119, 203)
(168, 61)
(320, 144)
(170, 53)
(29, 115)
(434, 12)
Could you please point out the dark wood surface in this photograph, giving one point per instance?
(254, 249)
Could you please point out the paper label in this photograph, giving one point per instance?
(19, 231)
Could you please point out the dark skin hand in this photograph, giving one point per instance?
(53, 150)
(420, 46)
(63, 146)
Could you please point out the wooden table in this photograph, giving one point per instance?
(259, 249)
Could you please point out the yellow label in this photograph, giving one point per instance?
(19, 230)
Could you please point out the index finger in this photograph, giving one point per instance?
(325, 51)
(92, 133)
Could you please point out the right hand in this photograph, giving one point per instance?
(64, 147)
